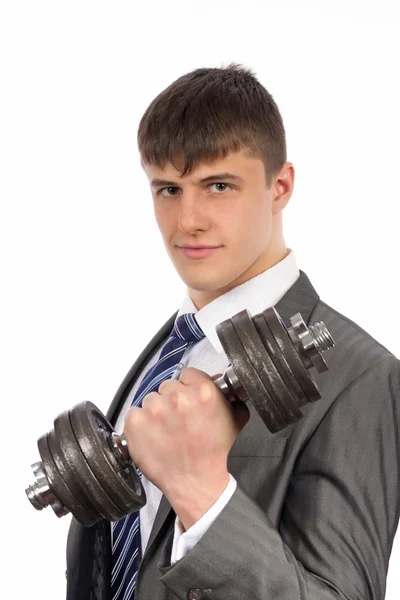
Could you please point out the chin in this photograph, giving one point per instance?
(206, 278)
(204, 285)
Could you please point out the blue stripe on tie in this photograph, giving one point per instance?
(124, 549)
(194, 327)
(154, 383)
(133, 557)
(123, 524)
(125, 533)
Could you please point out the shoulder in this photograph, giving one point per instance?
(355, 351)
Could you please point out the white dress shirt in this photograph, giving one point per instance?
(256, 294)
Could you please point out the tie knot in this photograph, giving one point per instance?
(187, 328)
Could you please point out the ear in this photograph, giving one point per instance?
(282, 188)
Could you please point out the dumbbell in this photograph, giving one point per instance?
(85, 467)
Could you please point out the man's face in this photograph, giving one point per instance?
(239, 216)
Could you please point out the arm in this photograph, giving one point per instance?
(338, 520)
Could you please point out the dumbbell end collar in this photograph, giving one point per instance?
(230, 386)
(40, 495)
(119, 446)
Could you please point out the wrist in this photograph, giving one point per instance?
(192, 499)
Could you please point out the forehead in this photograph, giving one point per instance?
(239, 164)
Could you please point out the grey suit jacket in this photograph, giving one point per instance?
(317, 504)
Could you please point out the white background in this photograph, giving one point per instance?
(82, 262)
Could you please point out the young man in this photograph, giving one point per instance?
(234, 511)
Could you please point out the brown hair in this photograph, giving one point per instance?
(209, 112)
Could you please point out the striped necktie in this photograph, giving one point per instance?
(125, 533)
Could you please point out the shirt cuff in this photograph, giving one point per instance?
(185, 540)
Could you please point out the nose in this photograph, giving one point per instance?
(192, 212)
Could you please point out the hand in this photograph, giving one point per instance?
(180, 440)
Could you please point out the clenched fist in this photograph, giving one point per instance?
(180, 439)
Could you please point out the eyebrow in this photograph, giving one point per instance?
(218, 176)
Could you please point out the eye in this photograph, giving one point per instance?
(221, 183)
(160, 192)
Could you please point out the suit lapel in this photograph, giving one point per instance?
(162, 513)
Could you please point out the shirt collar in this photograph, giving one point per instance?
(256, 294)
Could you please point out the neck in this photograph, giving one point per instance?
(201, 298)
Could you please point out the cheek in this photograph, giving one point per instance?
(244, 225)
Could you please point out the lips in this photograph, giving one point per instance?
(197, 247)
(199, 251)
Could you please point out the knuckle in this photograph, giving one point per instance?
(163, 385)
(206, 390)
(168, 386)
(179, 400)
(175, 398)
(148, 400)
(132, 416)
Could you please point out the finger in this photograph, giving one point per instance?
(149, 399)
(132, 417)
(169, 385)
(190, 376)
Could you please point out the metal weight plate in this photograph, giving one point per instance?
(279, 359)
(58, 486)
(256, 351)
(278, 328)
(68, 477)
(84, 476)
(248, 377)
(92, 431)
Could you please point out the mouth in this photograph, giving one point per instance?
(199, 251)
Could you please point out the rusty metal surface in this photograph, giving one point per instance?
(92, 431)
(81, 508)
(84, 479)
(249, 378)
(269, 375)
(285, 344)
(59, 487)
(279, 360)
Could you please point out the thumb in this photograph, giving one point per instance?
(190, 375)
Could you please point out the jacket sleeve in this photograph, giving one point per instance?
(338, 520)
(184, 540)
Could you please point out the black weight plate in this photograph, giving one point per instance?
(279, 359)
(58, 486)
(69, 478)
(265, 368)
(278, 328)
(84, 476)
(92, 431)
(248, 377)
